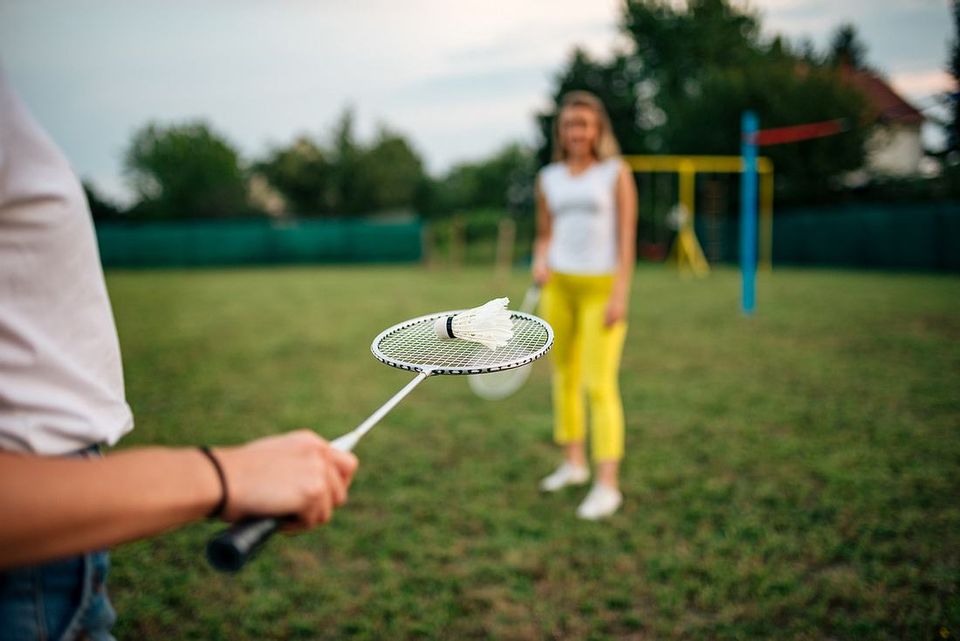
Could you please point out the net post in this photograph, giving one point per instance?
(748, 213)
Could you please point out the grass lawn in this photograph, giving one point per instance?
(791, 476)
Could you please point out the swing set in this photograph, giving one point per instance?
(686, 251)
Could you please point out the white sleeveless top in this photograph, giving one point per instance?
(583, 211)
(61, 382)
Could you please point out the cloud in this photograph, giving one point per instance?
(458, 78)
(469, 130)
(475, 86)
(922, 84)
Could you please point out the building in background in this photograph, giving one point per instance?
(896, 146)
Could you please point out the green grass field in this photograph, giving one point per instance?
(793, 476)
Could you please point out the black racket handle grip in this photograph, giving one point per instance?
(229, 550)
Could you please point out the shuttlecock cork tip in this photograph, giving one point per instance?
(490, 324)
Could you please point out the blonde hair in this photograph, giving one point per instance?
(606, 145)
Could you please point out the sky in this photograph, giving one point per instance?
(459, 78)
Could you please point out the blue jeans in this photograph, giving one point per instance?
(57, 601)
(63, 600)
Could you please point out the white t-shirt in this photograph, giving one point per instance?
(583, 210)
(61, 380)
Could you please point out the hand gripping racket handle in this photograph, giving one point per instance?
(230, 550)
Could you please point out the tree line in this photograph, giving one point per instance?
(679, 87)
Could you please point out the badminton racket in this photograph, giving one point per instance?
(414, 346)
(499, 385)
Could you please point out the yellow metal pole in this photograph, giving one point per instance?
(687, 186)
(688, 247)
(715, 164)
(686, 192)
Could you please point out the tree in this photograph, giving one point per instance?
(303, 173)
(347, 177)
(678, 46)
(185, 170)
(504, 180)
(618, 84)
(846, 48)
(100, 207)
(953, 126)
(390, 173)
(695, 68)
(347, 192)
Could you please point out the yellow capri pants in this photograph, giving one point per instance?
(586, 358)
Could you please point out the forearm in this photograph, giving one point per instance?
(544, 230)
(623, 277)
(54, 507)
(541, 245)
(626, 234)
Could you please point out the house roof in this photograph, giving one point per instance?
(881, 98)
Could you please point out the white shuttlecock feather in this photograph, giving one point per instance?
(489, 324)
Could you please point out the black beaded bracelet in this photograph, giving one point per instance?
(221, 505)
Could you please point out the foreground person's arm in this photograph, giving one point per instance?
(55, 507)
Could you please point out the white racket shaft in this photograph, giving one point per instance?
(230, 549)
(348, 441)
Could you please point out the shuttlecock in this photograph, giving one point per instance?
(489, 324)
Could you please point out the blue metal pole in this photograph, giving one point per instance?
(748, 213)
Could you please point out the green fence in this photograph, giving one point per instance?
(256, 241)
(918, 236)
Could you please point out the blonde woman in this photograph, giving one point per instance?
(584, 259)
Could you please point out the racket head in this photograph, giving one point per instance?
(413, 345)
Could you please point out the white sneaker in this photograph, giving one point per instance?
(601, 502)
(565, 475)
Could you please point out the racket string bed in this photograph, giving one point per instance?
(415, 347)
